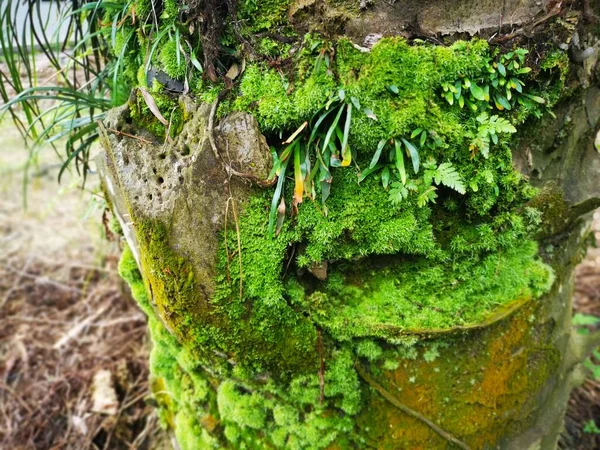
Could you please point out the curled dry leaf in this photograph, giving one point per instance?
(103, 394)
(152, 106)
(296, 133)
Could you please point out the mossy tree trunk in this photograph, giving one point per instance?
(433, 312)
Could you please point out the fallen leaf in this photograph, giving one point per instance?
(153, 107)
(233, 71)
(296, 133)
(103, 394)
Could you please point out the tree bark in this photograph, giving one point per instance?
(502, 382)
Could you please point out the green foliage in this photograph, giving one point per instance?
(420, 294)
(380, 111)
(591, 427)
(172, 61)
(261, 15)
(444, 174)
(369, 349)
(583, 323)
(489, 128)
(502, 88)
(79, 96)
(580, 320)
(244, 409)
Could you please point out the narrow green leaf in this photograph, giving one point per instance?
(365, 173)
(399, 159)
(385, 177)
(423, 138)
(416, 133)
(332, 128)
(276, 197)
(503, 101)
(414, 154)
(501, 69)
(355, 102)
(377, 154)
(346, 154)
(535, 98)
(449, 97)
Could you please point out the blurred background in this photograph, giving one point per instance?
(73, 345)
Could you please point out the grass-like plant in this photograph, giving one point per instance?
(86, 81)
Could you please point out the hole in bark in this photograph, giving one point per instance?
(126, 159)
(178, 169)
(154, 170)
(160, 180)
(535, 173)
(128, 120)
(162, 155)
(185, 151)
(149, 196)
(181, 180)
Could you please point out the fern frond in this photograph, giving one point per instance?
(447, 175)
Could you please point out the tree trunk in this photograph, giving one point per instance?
(295, 340)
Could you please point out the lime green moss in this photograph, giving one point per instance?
(260, 15)
(169, 62)
(167, 105)
(390, 302)
(180, 388)
(271, 336)
(251, 413)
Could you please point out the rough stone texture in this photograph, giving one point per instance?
(181, 185)
(574, 128)
(396, 17)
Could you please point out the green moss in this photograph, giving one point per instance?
(261, 15)
(172, 61)
(167, 105)
(247, 410)
(408, 295)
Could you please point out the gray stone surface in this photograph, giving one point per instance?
(180, 184)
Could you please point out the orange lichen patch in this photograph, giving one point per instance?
(209, 422)
(472, 391)
(503, 375)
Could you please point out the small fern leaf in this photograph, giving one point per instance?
(398, 193)
(447, 175)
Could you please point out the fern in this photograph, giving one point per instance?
(399, 192)
(488, 130)
(428, 195)
(445, 174)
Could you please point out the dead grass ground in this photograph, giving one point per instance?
(66, 319)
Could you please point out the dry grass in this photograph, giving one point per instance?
(65, 316)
